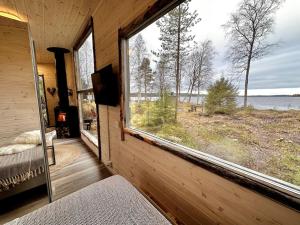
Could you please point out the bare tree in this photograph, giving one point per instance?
(138, 52)
(248, 29)
(86, 63)
(162, 73)
(201, 67)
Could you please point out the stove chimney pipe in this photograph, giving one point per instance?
(61, 76)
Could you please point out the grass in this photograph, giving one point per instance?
(215, 142)
(288, 162)
(176, 133)
(267, 141)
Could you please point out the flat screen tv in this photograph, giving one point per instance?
(105, 87)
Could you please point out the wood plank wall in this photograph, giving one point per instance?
(187, 192)
(49, 72)
(18, 103)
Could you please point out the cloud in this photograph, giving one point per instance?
(279, 69)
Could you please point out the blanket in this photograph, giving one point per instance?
(17, 168)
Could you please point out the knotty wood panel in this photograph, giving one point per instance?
(18, 103)
(104, 136)
(52, 22)
(189, 193)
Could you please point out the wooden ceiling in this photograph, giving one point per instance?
(52, 22)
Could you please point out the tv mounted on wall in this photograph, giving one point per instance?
(105, 86)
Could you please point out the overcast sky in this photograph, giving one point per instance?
(276, 73)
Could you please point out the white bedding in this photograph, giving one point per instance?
(15, 148)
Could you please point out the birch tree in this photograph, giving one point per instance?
(138, 51)
(201, 67)
(248, 29)
(162, 78)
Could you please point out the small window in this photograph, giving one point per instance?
(202, 79)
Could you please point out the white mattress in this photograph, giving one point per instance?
(110, 201)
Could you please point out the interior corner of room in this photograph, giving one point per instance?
(105, 107)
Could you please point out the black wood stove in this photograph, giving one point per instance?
(66, 116)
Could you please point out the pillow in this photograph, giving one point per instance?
(30, 137)
(49, 137)
(16, 148)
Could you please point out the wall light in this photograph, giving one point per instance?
(10, 16)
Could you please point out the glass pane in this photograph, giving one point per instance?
(85, 63)
(197, 81)
(89, 113)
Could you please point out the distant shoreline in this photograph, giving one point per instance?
(203, 95)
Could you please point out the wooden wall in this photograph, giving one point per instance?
(18, 103)
(49, 72)
(191, 194)
(52, 23)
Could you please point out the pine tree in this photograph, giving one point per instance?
(221, 97)
(175, 36)
(147, 75)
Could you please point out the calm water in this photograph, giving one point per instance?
(268, 102)
(259, 102)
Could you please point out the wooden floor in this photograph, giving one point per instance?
(85, 170)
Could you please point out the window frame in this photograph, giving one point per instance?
(276, 189)
(88, 30)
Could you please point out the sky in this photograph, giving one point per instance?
(274, 74)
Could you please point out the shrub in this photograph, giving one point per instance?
(164, 110)
(221, 97)
(153, 113)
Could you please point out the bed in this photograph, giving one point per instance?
(21, 171)
(22, 163)
(110, 201)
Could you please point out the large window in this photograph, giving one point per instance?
(85, 67)
(222, 79)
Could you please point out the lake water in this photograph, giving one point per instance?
(258, 102)
(267, 102)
